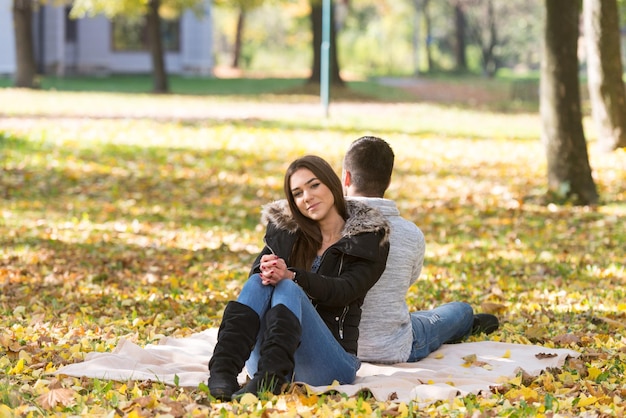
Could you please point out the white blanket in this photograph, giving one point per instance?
(453, 370)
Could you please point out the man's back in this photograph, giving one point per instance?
(385, 332)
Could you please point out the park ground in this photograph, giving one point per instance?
(128, 215)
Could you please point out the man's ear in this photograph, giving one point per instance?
(347, 179)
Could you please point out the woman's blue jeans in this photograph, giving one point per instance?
(320, 359)
(447, 323)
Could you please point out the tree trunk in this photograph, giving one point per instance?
(569, 173)
(26, 68)
(489, 59)
(153, 27)
(459, 32)
(316, 26)
(416, 37)
(422, 6)
(241, 20)
(604, 72)
(429, 36)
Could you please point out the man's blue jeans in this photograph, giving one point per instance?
(447, 323)
(320, 359)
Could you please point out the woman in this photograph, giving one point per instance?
(301, 306)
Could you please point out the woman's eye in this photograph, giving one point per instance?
(315, 185)
(297, 194)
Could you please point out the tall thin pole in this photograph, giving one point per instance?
(325, 56)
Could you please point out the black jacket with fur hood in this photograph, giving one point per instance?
(348, 269)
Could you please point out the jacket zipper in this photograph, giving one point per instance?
(268, 247)
(342, 318)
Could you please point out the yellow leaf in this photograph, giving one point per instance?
(366, 408)
(528, 394)
(470, 358)
(4, 362)
(547, 380)
(350, 403)
(136, 391)
(516, 381)
(19, 367)
(586, 401)
(134, 414)
(536, 332)
(174, 283)
(138, 322)
(25, 356)
(308, 400)
(507, 354)
(567, 378)
(6, 412)
(439, 356)
(248, 399)
(594, 372)
(281, 404)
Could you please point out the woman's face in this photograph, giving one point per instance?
(313, 198)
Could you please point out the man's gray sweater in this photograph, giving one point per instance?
(385, 332)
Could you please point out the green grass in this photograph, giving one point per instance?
(503, 93)
(178, 85)
(356, 90)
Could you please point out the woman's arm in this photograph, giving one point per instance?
(356, 277)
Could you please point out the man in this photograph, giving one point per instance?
(389, 333)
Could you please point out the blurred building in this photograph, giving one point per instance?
(100, 46)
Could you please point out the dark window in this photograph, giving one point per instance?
(131, 35)
(70, 26)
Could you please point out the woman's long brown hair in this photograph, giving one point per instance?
(309, 238)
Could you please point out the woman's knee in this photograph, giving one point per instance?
(255, 294)
(287, 284)
(253, 282)
(289, 294)
(287, 288)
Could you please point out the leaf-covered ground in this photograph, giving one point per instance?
(138, 216)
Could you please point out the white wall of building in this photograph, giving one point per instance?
(7, 38)
(93, 45)
(52, 38)
(197, 43)
(93, 52)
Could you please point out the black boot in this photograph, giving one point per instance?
(235, 341)
(486, 323)
(276, 362)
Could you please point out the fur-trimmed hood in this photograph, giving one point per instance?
(361, 218)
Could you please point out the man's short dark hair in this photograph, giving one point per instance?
(370, 162)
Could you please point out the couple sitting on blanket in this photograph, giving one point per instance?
(320, 284)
